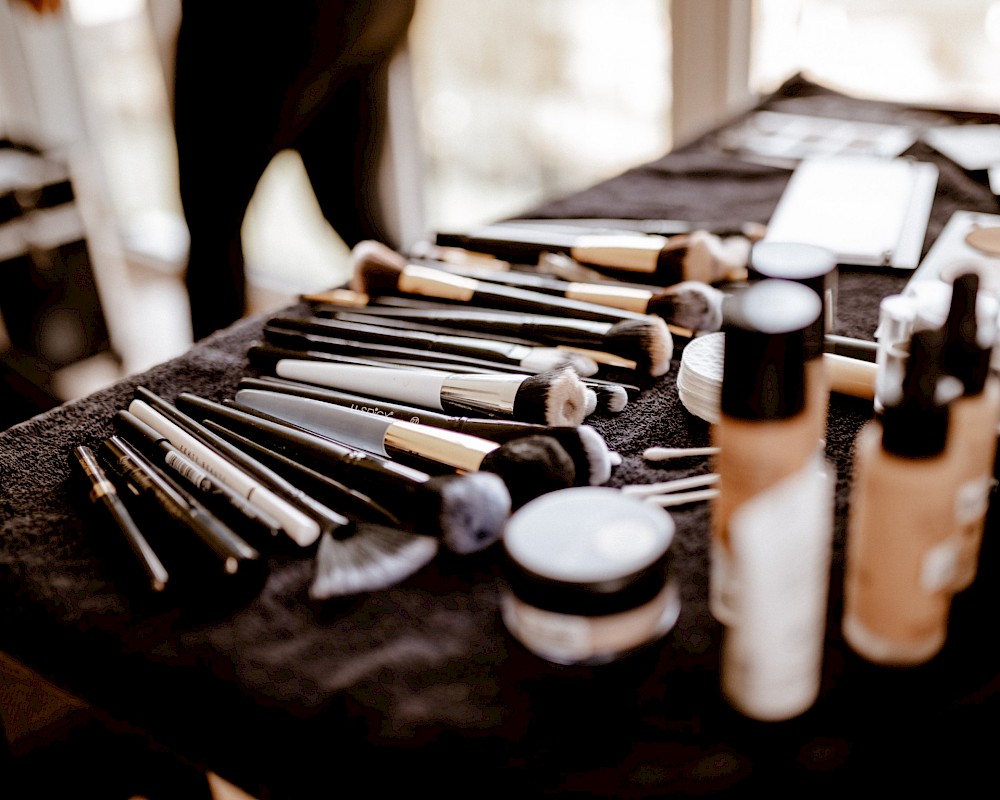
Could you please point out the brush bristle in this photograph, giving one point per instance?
(648, 342)
(375, 268)
(545, 359)
(470, 509)
(373, 557)
(532, 466)
(611, 398)
(558, 397)
(690, 304)
(595, 448)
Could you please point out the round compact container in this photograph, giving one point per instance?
(588, 575)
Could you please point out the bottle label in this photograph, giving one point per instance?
(781, 548)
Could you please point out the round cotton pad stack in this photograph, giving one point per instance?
(699, 378)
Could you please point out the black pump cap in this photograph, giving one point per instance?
(763, 369)
(808, 264)
(917, 425)
(964, 357)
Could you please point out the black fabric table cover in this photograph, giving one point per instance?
(420, 687)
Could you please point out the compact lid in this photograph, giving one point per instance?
(767, 324)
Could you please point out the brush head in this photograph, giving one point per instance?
(710, 258)
(468, 509)
(689, 304)
(531, 466)
(593, 451)
(648, 342)
(544, 359)
(611, 398)
(375, 268)
(372, 557)
(557, 397)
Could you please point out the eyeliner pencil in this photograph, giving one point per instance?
(301, 517)
(145, 481)
(103, 493)
(159, 449)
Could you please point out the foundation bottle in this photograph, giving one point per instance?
(773, 518)
(902, 532)
(765, 432)
(970, 332)
(816, 268)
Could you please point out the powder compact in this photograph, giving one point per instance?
(588, 575)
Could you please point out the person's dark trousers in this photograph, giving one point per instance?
(250, 82)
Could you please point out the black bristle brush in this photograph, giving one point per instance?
(644, 340)
(379, 270)
(664, 260)
(296, 335)
(527, 357)
(585, 445)
(530, 465)
(466, 510)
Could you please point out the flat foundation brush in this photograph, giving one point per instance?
(527, 358)
(585, 445)
(530, 465)
(467, 511)
(665, 260)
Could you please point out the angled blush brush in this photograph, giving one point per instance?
(374, 338)
(585, 445)
(665, 260)
(551, 398)
(466, 511)
(530, 465)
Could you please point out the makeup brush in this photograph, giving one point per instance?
(373, 557)
(686, 306)
(585, 445)
(665, 260)
(643, 340)
(370, 341)
(528, 358)
(466, 510)
(377, 269)
(552, 398)
(530, 465)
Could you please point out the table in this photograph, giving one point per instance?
(420, 686)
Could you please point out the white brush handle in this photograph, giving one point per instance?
(302, 529)
(414, 387)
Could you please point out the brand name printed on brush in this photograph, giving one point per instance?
(371, 410)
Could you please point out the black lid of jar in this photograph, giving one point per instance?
(766, 324)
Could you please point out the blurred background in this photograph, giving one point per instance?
(496, 106)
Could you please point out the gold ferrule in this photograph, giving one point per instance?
(622, 297)
(436, 283)
(636, 253)
(457, 450)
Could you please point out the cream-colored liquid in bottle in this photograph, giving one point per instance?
(902, 535)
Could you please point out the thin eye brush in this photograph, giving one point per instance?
(466, 511)
(584, 444)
